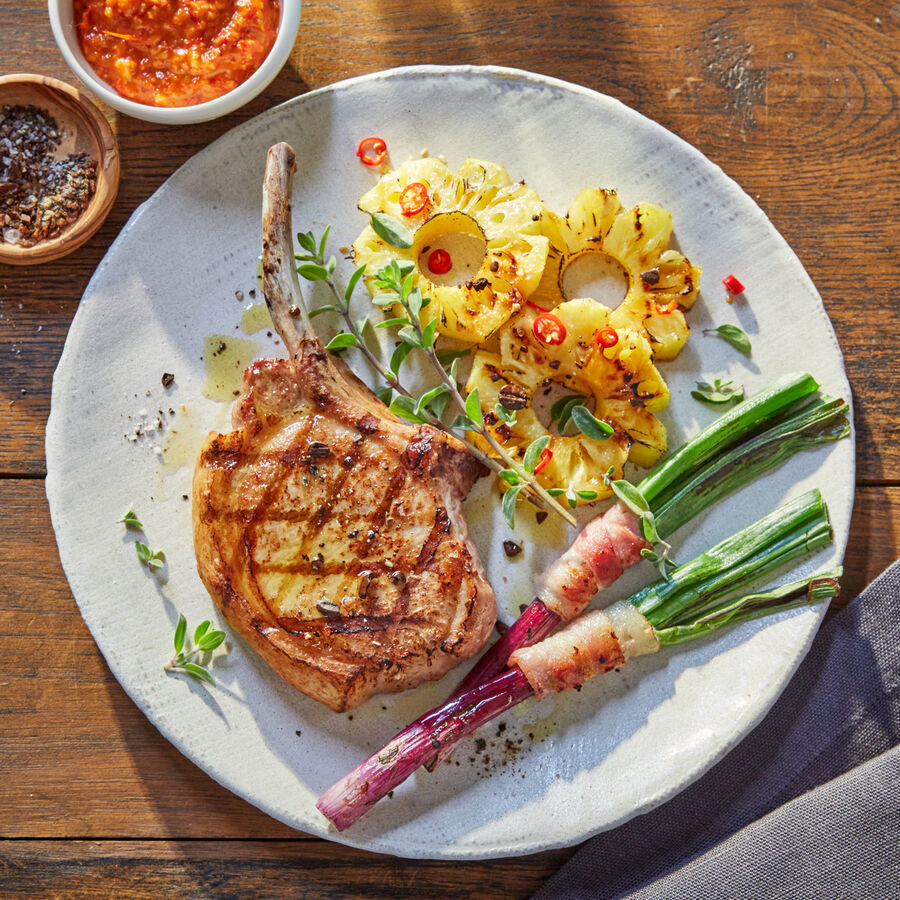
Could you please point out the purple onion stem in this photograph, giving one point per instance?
(532, 626)
(356, 793)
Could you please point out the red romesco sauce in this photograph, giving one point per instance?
(175, 52)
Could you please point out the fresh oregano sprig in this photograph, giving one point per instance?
(206, 639)
(427, 408)
(152, 559)
(130, 519)
(314, 267)
(631, 497)
(718, 392)
(395, 283)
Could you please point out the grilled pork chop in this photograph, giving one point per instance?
(328, 531)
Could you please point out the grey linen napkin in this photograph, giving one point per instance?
(807, 806)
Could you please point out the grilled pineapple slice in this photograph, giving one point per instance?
(622, 380)
(661, 282)
(479, 201)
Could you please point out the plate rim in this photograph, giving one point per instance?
(168, 730)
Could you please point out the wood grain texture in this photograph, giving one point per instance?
(796, 100)
(261, 869)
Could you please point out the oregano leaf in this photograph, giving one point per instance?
(198, 672)
(735, 336)
(342, 340)
(473, 407)
(354, 280)
(534, 451)
(508, 505)
(180, 631)
(589, 425)
(392, 231)
(313, 272)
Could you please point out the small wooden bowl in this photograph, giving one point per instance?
(84, 129)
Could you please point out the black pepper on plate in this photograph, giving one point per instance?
(40, 195)
(168, 379)
(511, 548)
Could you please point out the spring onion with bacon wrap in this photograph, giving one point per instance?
(747, 441)
(696, 599)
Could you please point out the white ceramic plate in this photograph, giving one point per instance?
(628, 741)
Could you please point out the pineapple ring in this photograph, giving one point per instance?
(479, 201)
(661, 282)
(623, 381)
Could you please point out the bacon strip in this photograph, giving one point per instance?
(606, 547)
(591, 644)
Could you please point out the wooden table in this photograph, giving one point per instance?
(798, 101)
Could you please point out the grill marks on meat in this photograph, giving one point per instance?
(374, 526)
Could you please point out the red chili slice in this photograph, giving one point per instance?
(732, 285)
(607, 337)
(372, 151)
(439, 262)
(414, 198)
(537, 306)
(549, 329)
(545, 457)
(669, 307)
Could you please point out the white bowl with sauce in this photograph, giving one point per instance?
(62, 21)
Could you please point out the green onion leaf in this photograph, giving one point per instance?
(590, 426)
(389, 299)
(384, 394)
(392, 231)
(202, 628)
(389, 323)
(587, 495)
(555, 492)
(534, 451)
(735, 336)
(510, 476)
